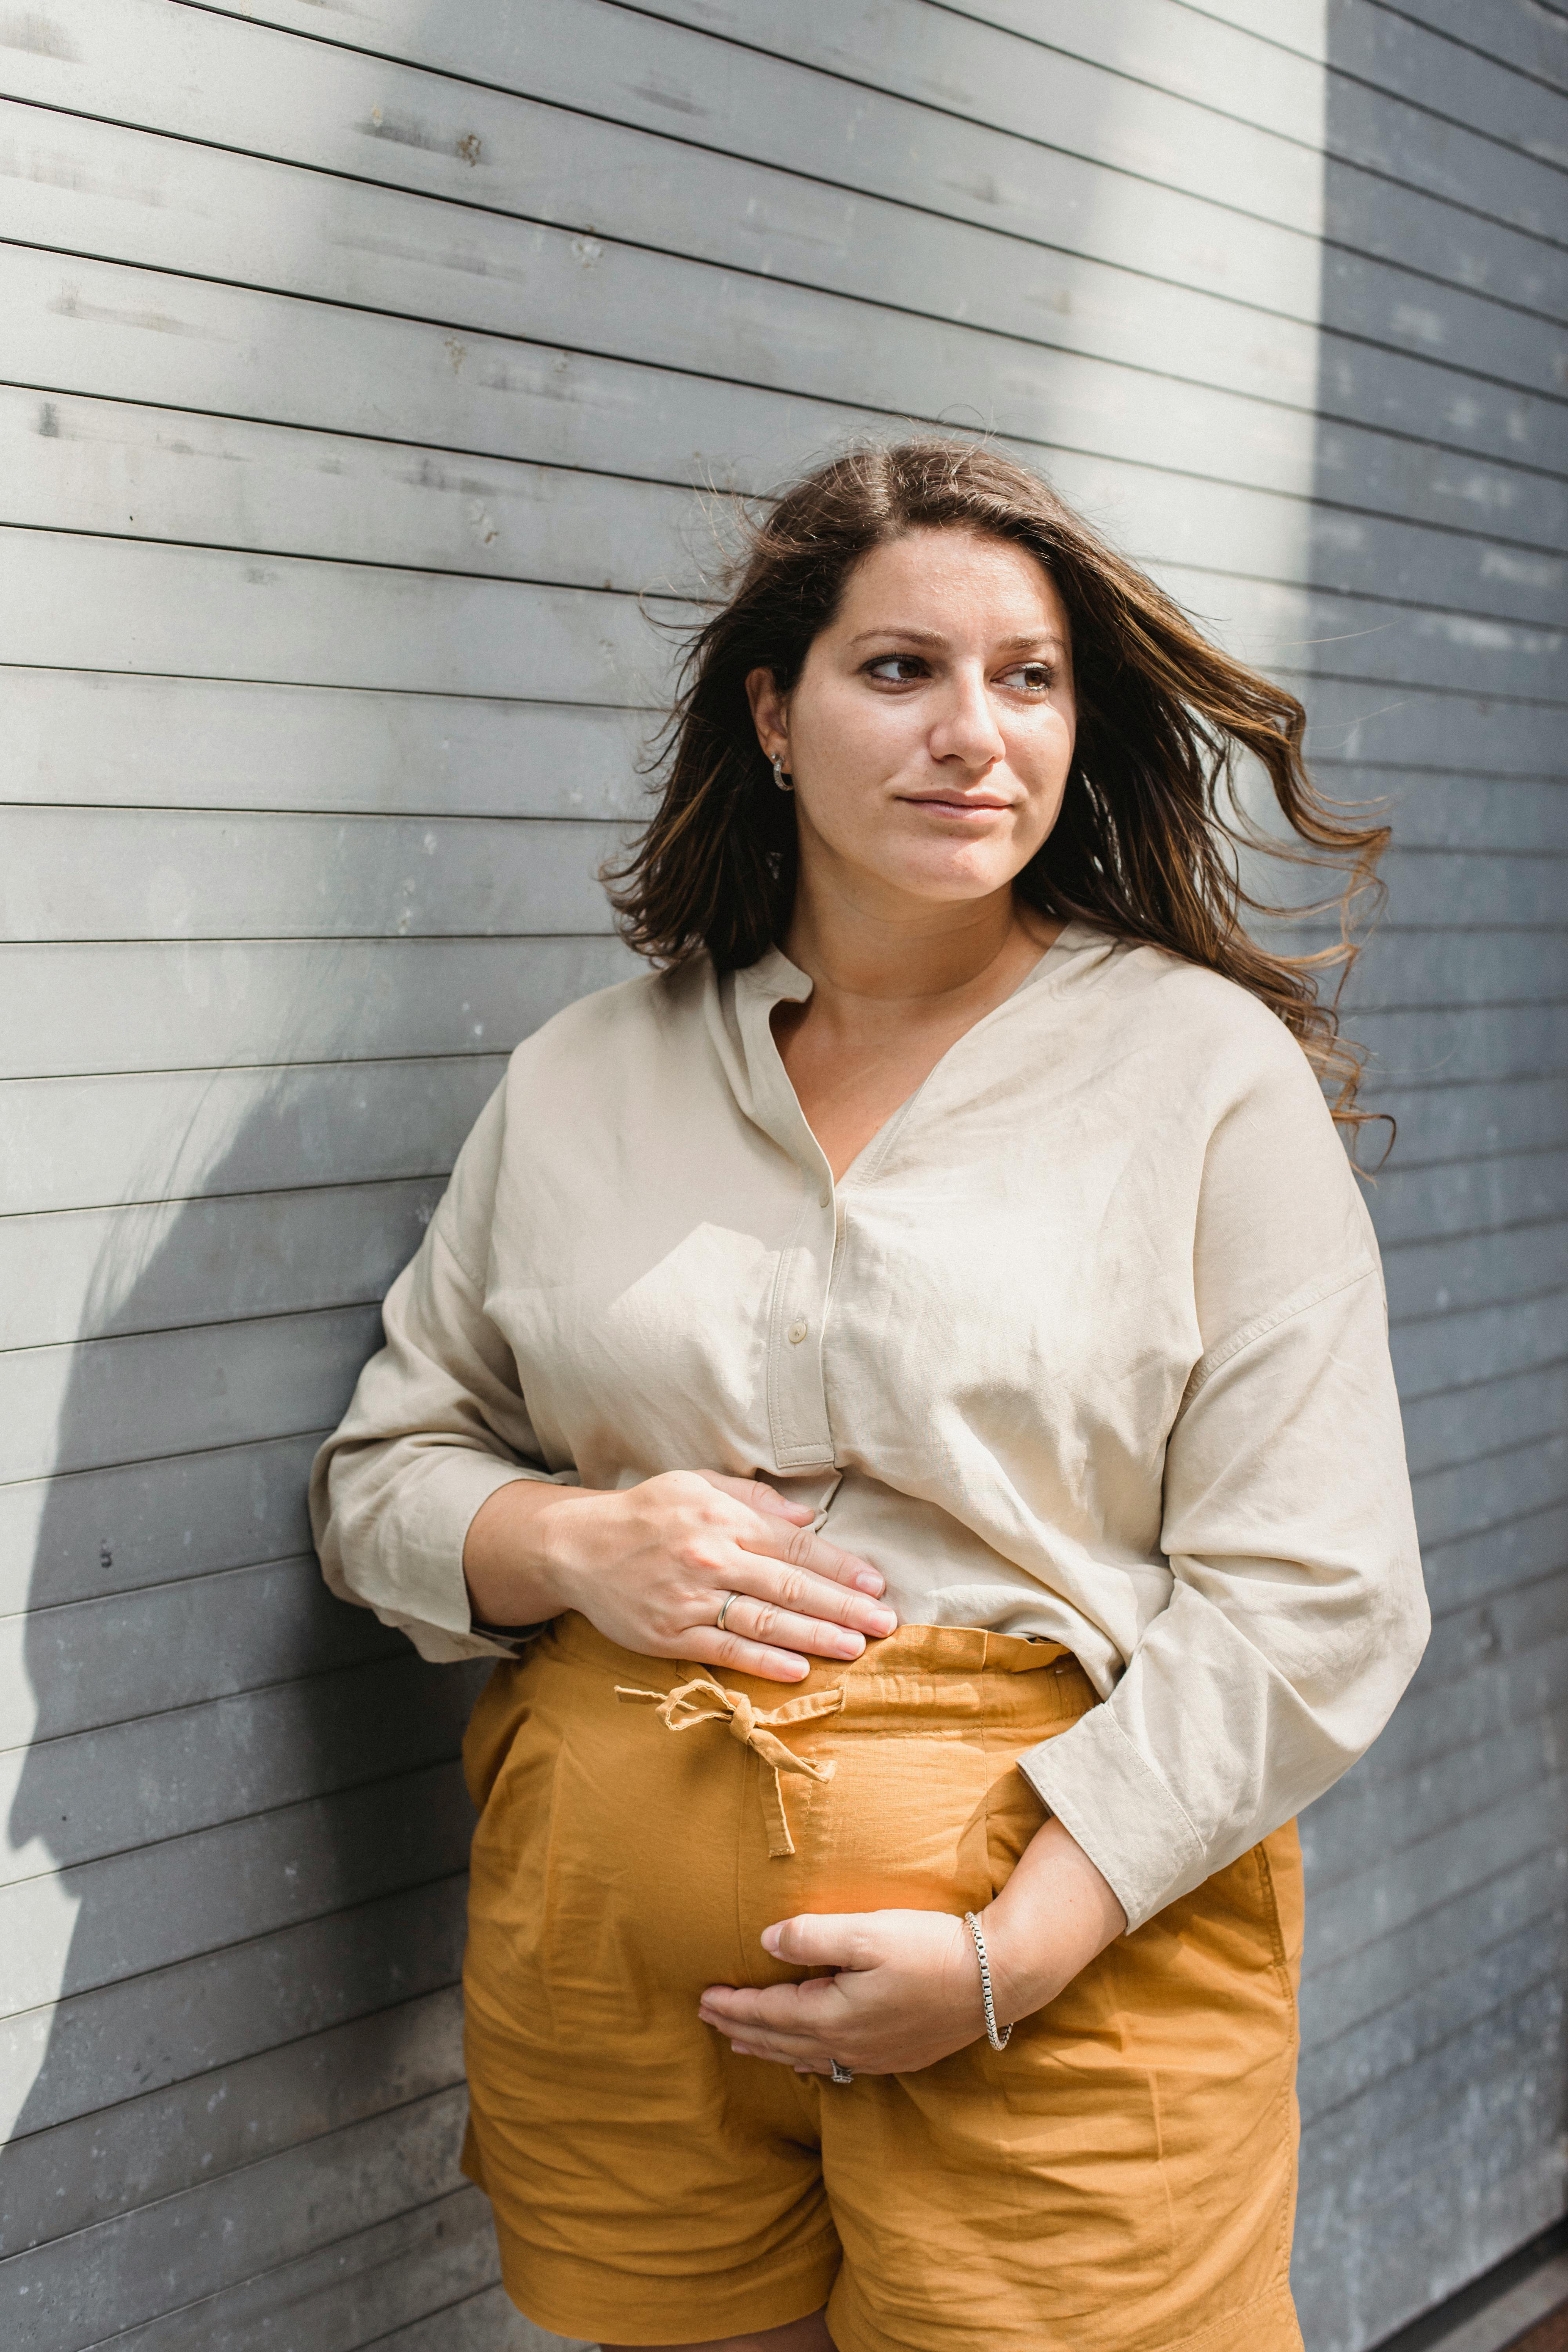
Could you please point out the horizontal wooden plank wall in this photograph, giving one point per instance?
(1436, 2066)
(377, 378)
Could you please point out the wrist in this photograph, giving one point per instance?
(561, 1547)
(1055, 1914)
(997, 2022)
(1025, 1970)
(515, 1566)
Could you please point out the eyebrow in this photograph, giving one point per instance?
(1039, 637)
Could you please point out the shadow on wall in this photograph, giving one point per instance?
(1434, 2087)
(248, 1790)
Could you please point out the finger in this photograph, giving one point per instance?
(803, 2062)
(780, 1618)
(706, 1646)
(805, 2012)
(788, 2049)
(783, 1629)
(802, 1549)
(759, 1497)
(802, 2049)
(785, 1585)
(822, 1939)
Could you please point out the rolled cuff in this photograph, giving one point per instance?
(1110, 1798)
(417, 1584)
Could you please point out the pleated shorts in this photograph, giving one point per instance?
(1119, 2178)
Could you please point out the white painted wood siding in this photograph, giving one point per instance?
(372, 373)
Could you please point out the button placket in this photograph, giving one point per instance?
(797, 1393)
(796, 1385)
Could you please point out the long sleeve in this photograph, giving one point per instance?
(1089, 1344)
(436, 1425)
(1297, 1613)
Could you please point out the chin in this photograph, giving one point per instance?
(951, 878)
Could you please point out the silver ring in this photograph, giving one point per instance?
(730, 1600)
(839, 2074)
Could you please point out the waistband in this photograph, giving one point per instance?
(916, 1679)
(933, 1662)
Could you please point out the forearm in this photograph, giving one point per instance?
(1055, 1914)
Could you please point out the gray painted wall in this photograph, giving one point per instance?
(1434, 2080)
(361, 365)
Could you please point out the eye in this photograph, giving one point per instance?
(897, 669)
(1028, 678)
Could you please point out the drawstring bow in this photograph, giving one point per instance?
(702, 1700)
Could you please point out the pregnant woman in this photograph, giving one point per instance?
(902, 1389)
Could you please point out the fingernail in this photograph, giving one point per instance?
(850, 1646)
(771, 1941)
(885, 1619)
(869, 1582)
(798, 1667)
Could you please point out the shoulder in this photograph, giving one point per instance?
(573, 1076)
(633, 1017)
(1201, 1041)
(1230, 1113)
(1197, 1011)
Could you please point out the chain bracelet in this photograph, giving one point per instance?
(997, 2036)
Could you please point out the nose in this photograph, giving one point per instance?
(967, 730)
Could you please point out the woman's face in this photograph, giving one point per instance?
(930, 734)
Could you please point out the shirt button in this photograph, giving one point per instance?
(824, 1200)
(796, 1334)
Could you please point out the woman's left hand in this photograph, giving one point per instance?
(905, 1987)
(907, 1992)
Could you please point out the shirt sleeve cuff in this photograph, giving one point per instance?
(1110, 1799)
(512, 1639)
(420, 1586)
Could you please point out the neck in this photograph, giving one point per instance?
(876, 960)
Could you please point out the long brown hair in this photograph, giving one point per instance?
(1149, 841)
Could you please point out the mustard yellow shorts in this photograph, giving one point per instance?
(1120, 2178)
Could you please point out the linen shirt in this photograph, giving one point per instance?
(1089, 1343)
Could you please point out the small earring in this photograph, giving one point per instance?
(785, 783)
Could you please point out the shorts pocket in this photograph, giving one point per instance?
(1014, 1812)
(1084, 2167)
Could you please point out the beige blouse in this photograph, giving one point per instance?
(1089, 1342)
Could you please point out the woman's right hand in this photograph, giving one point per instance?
(651, 1567)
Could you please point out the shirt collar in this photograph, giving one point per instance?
(774, 980)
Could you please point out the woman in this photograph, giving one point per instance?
(905, 1385)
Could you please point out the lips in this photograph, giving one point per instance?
(955, 807)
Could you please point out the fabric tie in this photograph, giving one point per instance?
(703, 1701)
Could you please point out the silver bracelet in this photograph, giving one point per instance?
(998, 2037)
